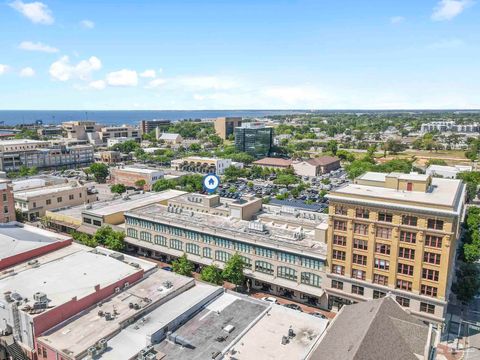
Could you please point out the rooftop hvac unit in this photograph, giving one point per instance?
(92, 351)
(102, 345)
(40, 296)
(256, 226)
(150, 356)
(135, 265)
(117, 289)
(126, 285)
(33, 262)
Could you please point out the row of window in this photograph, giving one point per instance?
(224, 243)
(405, 302)
(403, 253)
(387, 217)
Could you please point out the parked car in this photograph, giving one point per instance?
(319, 315)
(270, 299)
(167, 268)
(293, 307)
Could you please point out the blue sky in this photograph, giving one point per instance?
(244, 54)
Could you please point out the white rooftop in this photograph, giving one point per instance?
(42, 191)
(456, 168)
(140, 170)
(169, 136)
(21, 141)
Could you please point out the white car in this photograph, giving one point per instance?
(270, 299)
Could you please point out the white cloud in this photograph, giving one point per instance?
(98, 84)
(4, 68)
(397, 20)
(155, 83)
(38, 46)
(87, 24)
(62, 69)
(37, 12)
(448, 9)
(149, 73)
(27, 72)
(122, 77)
(447, 44)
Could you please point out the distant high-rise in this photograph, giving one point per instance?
(254, 138)
(149, 125)
(225, 126)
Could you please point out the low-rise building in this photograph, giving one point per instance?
(168, 138)
(202, 165)
(277, 163)
(449, 172)
(33, 203)
(131, 176)
(109, 157)
(316, 166)
(7, 210)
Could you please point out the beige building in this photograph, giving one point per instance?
(316, 166)
(97, 134)
(34, 203)
(7, 210)
(168, 138)
(130, 176)
(276, 163)
(225, 126)
(394, 233)
(202, 165)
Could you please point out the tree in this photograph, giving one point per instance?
(286, 179)
(183, 266)
(19, 215)
(100, 172)
(468, 283)
(212, 274)
(118, 188)
(140, 183)
(233, 173)
(436, 162)
(111, 239)
(233, 270)
(84, 239)
(126, 147)
(332, 146)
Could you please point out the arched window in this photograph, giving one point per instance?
(264, 267)
(311, 279)
(287, 273)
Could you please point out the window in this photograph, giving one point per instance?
(384, 233)
(385, 217)
(359, 259)
(145, 236)
(360, 244)
(428, 290)
(338, 269)
(207, 252)
(97, 223)
(247, 262)
(4, 196)
(34, 204)
(337, 284)
(381, 264)
(340, 210)
(430, 274)
(264, 267)
(286, 273)
(403, 301)
(431, 258)
(358, 274)
(87, 220)
(405, 269)
(311, 279)
(260, 251)
(49, 201)
(338, 255)
(380, 279)
(378, 294)
(287, 257)
(131, 233)
(312, 263)
(433, 241)
(192, 249)
(404, 285)
(435, 224)
(222, 256)
(160, 240)
(340, 225)
(409, 237)
(176, 244)
(427, 308)
(362, 213)
(339, 240)
(406, 253)
(59, 199)
(409, 220)
(361, 229)
(359, 290)
(70, 197)
(382, 248)
(5, 209)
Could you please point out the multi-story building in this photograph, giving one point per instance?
(255, 139)
(394, 233)
(316, 166)
(7, 210)
(225, 126)
(124, 131)
(97, 134)
(131, 176)
(147, 126)
(33, 203)
(202, 165)
(41, 154)
(281, 258)
(450, 126)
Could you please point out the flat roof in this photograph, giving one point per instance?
(264, 339)
(16, 238)
(232, 228)
(21, 141)
(74, 275)
(139, 170)
(135, 201)
(75, 337)
(443, 192)
(26, 194)
(133, 338)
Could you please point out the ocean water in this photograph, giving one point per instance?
(14, 117)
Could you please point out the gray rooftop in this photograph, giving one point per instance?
(373, 330)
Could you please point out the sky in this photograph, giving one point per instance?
(244, 54)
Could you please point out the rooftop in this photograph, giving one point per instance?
(139, 170)
(322, 161)
(374, 330)
(268, 161)
(283, 235)
(21, 142)
(169, 136)
(49, 190)
(16, 238)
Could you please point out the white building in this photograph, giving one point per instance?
(449, 172)
(450, 126)
(203, 165)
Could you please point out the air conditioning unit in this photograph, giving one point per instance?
(126, 285)
(117, 289)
